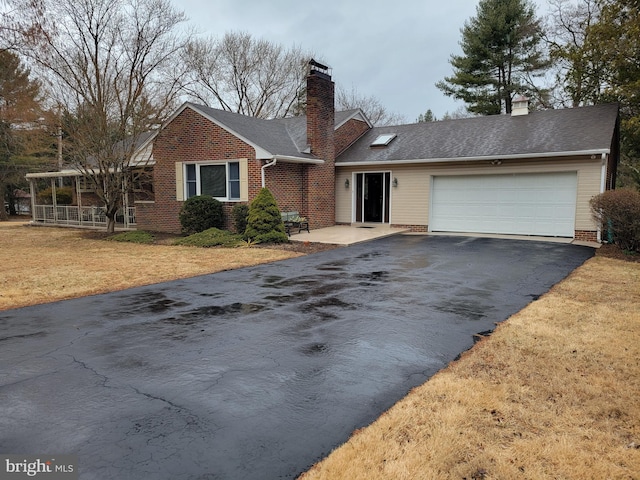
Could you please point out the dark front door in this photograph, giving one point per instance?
(372, 197)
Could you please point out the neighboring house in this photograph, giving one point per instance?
(524, 173)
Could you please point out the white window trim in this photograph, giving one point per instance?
(198, 183)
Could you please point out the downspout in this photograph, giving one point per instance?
(265, 166)
(603, 187)
(603, 179)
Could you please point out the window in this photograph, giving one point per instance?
(220, 180)
(85, 185)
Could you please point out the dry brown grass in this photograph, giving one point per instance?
(42, 265)
(552, 394)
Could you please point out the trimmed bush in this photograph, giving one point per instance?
(618, 211)
(212, 237)
(240, 213)
(137, 236)
(64, 196)
(201, 213)
(264, 224)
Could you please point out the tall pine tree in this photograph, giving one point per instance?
(502, 54)
(24, 142)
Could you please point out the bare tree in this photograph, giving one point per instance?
(371, 106)
(241, 74)
(579, 65)
(113, 67)
(458, 113)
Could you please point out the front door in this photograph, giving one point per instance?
(372, 197)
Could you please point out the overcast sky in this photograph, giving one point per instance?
(394, 50)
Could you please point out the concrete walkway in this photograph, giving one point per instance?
(347, 234)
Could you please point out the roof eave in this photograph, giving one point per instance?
(599, 152)
(291, 159)
(355, 115)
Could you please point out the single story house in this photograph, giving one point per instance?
(523, 173)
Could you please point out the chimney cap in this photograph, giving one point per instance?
(315, 66)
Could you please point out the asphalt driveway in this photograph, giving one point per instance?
(259, 372)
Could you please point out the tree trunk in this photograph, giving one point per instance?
(111, 224)
(3, 213)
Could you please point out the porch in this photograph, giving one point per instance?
(66, 198)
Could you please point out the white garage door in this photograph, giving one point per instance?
(520, 204)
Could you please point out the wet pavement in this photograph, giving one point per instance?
(255, 373)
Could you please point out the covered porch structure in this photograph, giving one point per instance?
(66, 198)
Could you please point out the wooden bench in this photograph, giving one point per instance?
(293, 220)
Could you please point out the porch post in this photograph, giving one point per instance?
(125, 201)
(78, 199)
(54, 200)
(32, 190)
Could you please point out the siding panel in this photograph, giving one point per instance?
(410, 200)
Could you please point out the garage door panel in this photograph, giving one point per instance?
(524, 204)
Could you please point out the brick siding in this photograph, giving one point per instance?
(190, 137)
(413, 228)
(586, 235)
(285, 180)
(308, 189)
(348, 133)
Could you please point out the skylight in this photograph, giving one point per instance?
(383, 140)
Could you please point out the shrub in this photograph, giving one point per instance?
(618, 211)
(137, 236)
(64, 196)
(201, 213)
(264, 223)
(240, 213)
(212, 237)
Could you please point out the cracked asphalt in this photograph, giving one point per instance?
(255, 373)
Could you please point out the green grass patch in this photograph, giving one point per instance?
(136, 236)
(212, 237)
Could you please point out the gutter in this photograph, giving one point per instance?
(290, 159)
(475, 159)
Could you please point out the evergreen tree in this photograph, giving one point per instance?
(25, 144)
(501, 56)
(428, 116)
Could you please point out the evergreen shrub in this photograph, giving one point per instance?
(201, 213)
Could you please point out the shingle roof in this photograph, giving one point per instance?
(278, 136)
(542, 132)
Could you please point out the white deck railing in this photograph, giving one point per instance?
(81, 216)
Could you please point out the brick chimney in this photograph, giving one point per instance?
(319, 180)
